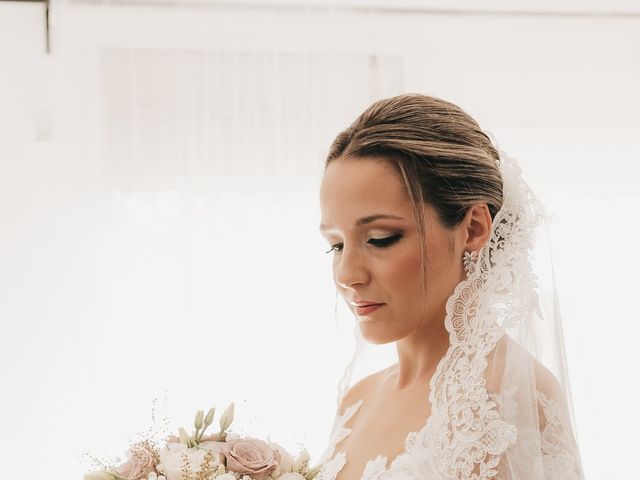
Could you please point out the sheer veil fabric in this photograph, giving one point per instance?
(500, 397)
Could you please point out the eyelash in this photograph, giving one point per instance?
(378, 242)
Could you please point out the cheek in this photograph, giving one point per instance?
(404, 272)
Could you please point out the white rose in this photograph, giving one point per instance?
(292, 476)
(226, 476)
(286, 461)
(171, 460)
(215, 448)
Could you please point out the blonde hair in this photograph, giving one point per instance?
(440, 151)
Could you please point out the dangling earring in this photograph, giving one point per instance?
(469, 260)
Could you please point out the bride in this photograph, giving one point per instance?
(430, 228)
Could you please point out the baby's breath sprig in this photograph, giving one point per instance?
(207, 469)
(186, 468)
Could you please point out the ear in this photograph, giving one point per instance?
(477, 227)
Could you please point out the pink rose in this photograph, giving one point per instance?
(142, 462)
(251, 456)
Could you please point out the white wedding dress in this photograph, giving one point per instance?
(422, 454)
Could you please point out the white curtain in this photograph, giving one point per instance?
(158, 200)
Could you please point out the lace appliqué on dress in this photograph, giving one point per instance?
(332, 464)
(545, 447)
(374, 468)
(559, 450)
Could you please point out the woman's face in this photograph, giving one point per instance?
(378, 259)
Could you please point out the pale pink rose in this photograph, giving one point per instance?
(138, 467)
(251, 456)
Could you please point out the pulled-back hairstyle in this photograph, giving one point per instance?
(444, 157)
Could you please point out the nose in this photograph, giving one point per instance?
(350, 268)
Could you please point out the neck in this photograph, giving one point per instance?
(420, 353)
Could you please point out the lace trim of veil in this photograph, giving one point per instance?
(498, 294)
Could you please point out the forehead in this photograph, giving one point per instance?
(362, 186)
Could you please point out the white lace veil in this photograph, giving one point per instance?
(500, 397)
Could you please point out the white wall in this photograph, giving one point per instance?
(158, 184)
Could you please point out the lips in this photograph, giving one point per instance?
(364, 303)
(367, 308)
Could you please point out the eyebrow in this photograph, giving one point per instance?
(368, 219)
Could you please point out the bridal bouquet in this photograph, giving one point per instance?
(221, 456)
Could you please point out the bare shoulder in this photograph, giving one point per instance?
(548, 384)
(362, 390)
(545, 381)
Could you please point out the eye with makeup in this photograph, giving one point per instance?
(378, 242)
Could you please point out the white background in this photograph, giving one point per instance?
(158, 204)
